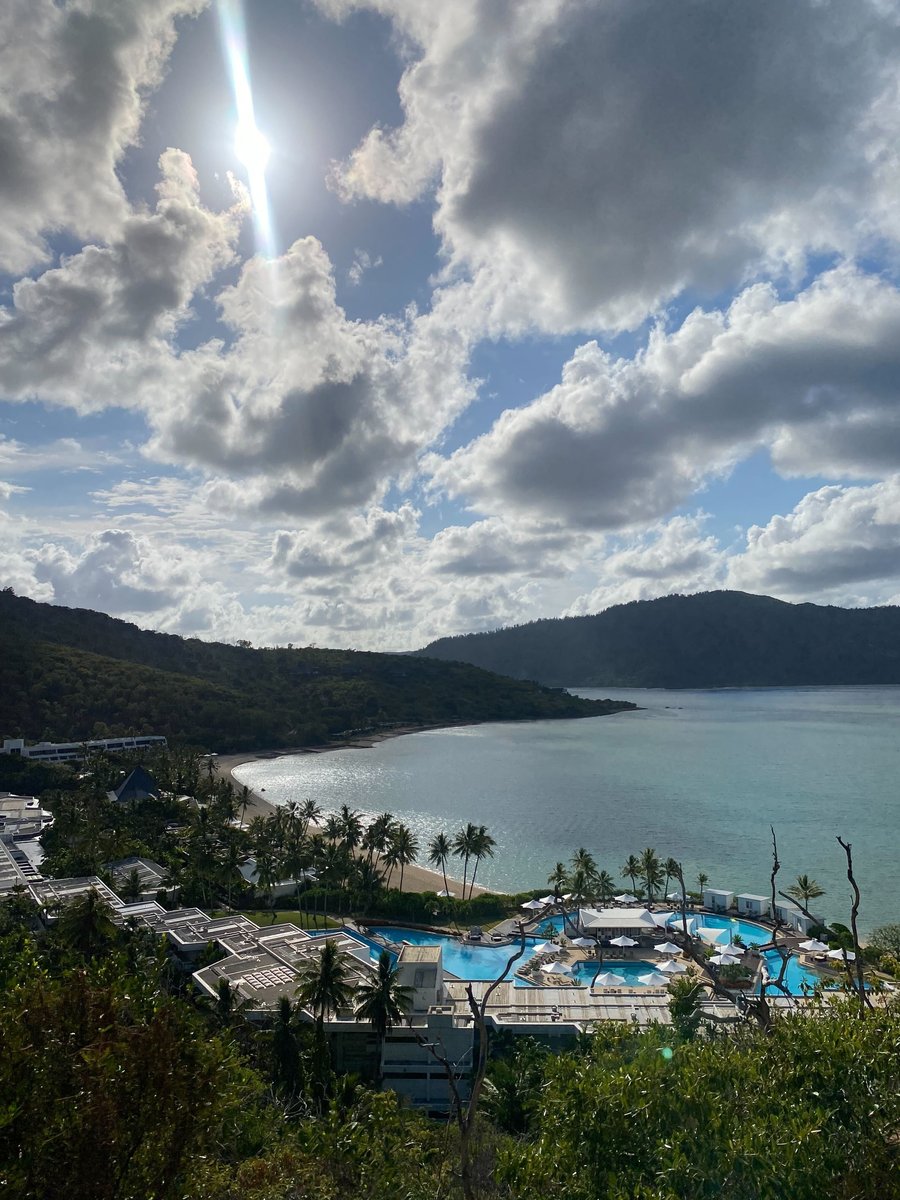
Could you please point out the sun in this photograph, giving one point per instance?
(252, 148)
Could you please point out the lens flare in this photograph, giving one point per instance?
(250, 145)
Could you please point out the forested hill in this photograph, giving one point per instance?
(714, 639)
(70, 674)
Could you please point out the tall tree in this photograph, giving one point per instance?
(86, 924)
(404, 847)
(463, 846)
(651, 872)
(558, 878)
(439, 850)
(482, 847)
(805, 889)
(631, 870)
(383, 1001)
(324, 982)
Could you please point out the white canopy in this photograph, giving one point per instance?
(616, 918)
(444, 892)
(624, 940)
(671, 967)
(848, 954)
(711, 934)
(583, 943)
(724, 960)
(667, 948)
(653, 979)
(532, 905)
(813, 946)
(731, 948)
(626, 898)
(548, 899)
(609, 979)
(548, 948)
(556, 968)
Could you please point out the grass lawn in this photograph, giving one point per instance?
(264, 916)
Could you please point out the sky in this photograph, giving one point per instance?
(363, 322)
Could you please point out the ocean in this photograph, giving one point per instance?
(698, 775)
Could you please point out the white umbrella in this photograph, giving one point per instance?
(548, 948)
(671, 967)
(814, 946)
(724, 960)
(848, 954)
(710, 933)
(569, 896)
(583, 943)
(667, 948)
(610, 979)
(532, 905)
(444, 892)
(662, 918)
(626, 898)
(556, 968)
(548, 899)
(732, 949)
(624, 940)
(654, 979)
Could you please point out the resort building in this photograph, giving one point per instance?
(52, 894)
(753, 906)
(21, 817)
(717, 900)
(150, 876)
(137, 785)
(616, 922)
(791, 914)
(72, 751)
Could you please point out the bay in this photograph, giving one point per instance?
(699, 775)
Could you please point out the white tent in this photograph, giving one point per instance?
(444, 892)
(624, 940)
(732, 949)
(814, 946)
(841, 954)
(548, 948)
(710, 934)
(583, 943)
(555, 968)
(724, 960)
(548, 899)
(626, 898)
(532, 905)
(667, 948)
(671, 967)
(609, 979)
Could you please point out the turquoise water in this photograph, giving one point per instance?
(698, 775)
(751, 933)
(460, 959)
(797, 978)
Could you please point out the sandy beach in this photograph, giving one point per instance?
(415, 878)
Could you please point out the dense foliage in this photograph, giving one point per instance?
(714, 639)
(70, 674)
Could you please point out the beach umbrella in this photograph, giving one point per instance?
(724, 960)
(814, 946)
(583, 943)
(569, 896)
(624, 940)
(626, 898)
(731, 948)
(671, 967)
(444, 892)
(609, 979)
(532, 905)
(667, 948)
(556, 968)
(653, 979)
(850, 956)
(548, 948)
(548, 899)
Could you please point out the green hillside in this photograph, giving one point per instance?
(70, 673)
(714, 639)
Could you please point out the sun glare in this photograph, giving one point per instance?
(252, 148)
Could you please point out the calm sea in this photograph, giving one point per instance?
(697, 775)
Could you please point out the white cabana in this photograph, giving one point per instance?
(841, 954)
(626, 898)
(671, 967)
(584, 943)
(532, 905)
(814, 946)
(609, 979)
(653, 979)
(548, 948)
(624, 940)
(667, 948)
(724, 960)
(617, 920)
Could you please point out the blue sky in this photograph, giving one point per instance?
(566, 303)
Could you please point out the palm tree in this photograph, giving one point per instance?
(632, 870)
(463, 845)
(606, 887)
(383, 1001)
(86, 924)
(351, 826)
(482, 847)
(651, 870)
(805, 889)
(558, 878)
(324, 985)
(286, 1069)
(310, 814)
(583, 860)
(702, 881)
(672, 869)
(404, 847)
(439, 851)
(332, 828)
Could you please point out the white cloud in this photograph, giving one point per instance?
(73, 79)
(594, 159)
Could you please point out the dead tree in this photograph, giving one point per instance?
(859, 984)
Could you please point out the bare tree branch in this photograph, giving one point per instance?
(860, 984)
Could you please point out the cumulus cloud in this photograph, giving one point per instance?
(839, 543)
(595, 159)
(96, 331)
(620, 442)
(73, 79)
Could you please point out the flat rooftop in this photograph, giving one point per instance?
(420, 954)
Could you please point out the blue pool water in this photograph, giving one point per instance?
(631, 971)
(751, 933)
(797, 978)
(462, 960)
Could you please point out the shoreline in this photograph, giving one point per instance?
(416, 878)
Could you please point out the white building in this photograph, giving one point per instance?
(72, 751)
(790, 913)
(749, 905)
(717, 900)
(614, 922)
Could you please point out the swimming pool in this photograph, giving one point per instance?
(464, 960)
(750, 933)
